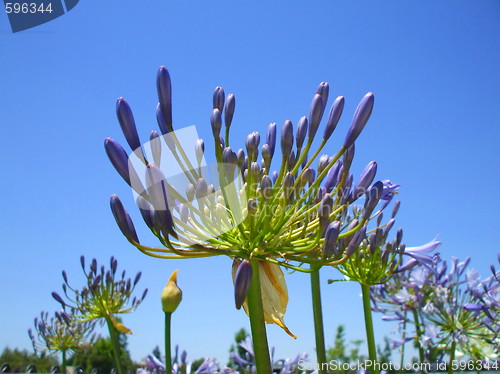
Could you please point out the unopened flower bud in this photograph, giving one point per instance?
(356, 241)
(315, 113)
(155, 143)
(199, 150)
(172, 295)
(323, 90)
(331, 236)
(127, 123)
(218, 98)
(164, 88)
(301, 131)
(334, 117)
(286, 138)
(242, 281)
(271, 138)
(372, 199)
(216, 122)
(361, 116)
(123, 219)
(396, 208)
(229, 106)
(266, 186)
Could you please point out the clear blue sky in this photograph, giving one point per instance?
(435, 129)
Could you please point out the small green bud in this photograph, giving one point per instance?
(172, 295)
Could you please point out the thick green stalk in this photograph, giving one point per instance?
(168, 351)
(113, 335)
(370, 336)
(318, 321)
(418, 329)
(257, 323)
(452, 356)
(63, 364)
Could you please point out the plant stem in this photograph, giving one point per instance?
(257, 322)
(63, 360)
(452, 356)
(401, 362)
(318, 321)
(113, 335)
(419, 336)
(168, 351)
(370, 336)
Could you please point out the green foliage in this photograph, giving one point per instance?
(100, 356)
(20, 359)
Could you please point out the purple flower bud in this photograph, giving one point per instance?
(190, 190)
(229, 106)
(334, 117)
(307, 176)
(325, 207)
(291, 160)
(229, 157)
(82, 262)
(266, 186)
(161, 120)
(219, 98)
(286, 138)
(123, 219)
(155, 143)
(399, 237)
(396, 208)
(361, 116)
(58, 298)
(216, 122)
(266, 154)
(365, 179)
(323, 162)
(271, 138)
(65, 277)
(389, 190)
(241, 157)
(331, 236)
(473, 307)
(255, 170)
(127, 123)
(388, 227)
(379, 218)
(323, 90)
(222, 142)
(199, 150)
(372, 199)
(356, 241)
(252, 143)
(114, 264)
(252, 207)
(137, 277)
(242, 281)
(144, 294)
(288, 183)
(274, 176)
(348, 157)
(301, 131)
(201, 188)
(315, 113)
(118, 158)
(147, 212)
(332, 176)
(164, 88)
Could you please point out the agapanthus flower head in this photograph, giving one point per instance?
(241, 207)
(62, 332)
(105, 295)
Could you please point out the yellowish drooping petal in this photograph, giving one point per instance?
(120, 327)
(172, 295)
(274, 294)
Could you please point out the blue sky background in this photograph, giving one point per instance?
(435, 129)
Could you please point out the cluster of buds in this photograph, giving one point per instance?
(105, 295)
(60, 333)
(290, 217)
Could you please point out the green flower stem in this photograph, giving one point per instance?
(113, 335)
(257, 322)
(318, 321)
(401, 362)
(419, 336)
(370, 336)
(452, 356)
(63, 360)
(168, 351)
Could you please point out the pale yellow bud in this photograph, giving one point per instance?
(172, 295)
